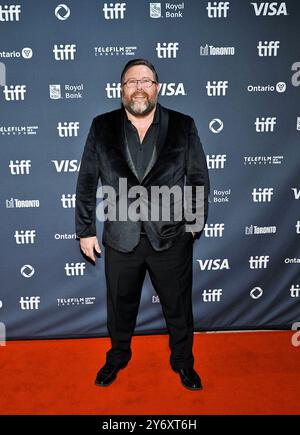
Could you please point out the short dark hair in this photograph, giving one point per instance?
(135, 62)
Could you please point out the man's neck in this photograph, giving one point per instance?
(141, 120)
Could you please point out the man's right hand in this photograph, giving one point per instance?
(88, 245)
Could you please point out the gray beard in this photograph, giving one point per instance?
(140, 108)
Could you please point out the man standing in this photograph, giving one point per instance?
(145, 145)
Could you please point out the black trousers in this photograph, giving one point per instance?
(171, 275)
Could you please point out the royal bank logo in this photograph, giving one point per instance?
(155, 10)
(262, 160)
(216, 125)
(117, 50)
(18, 130)
(69, 92)
(220, 196)
(62, 12)
(269, 9)
(10, 12)
(171, 10)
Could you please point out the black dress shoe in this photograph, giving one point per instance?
(107, 374)
(190, 379)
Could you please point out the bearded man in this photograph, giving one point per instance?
(147, 145)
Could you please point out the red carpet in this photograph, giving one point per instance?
(242, 373)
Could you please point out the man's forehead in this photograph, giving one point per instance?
(141, 70)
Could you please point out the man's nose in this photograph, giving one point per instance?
(139, 84)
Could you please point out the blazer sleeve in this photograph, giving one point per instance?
(197, 173)
(86, 188)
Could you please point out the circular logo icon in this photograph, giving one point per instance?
(27, 271)
(62, 12)
(280, 87)
(256, 293)
(216, 125)
(27, 53)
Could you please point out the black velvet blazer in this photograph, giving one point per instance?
(177, 160)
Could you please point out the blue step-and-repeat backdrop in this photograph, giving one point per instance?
(234, 66)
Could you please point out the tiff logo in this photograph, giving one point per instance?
(14, 92)
(24, 237)
(30, 303)
(113, 90)
(212, 295)
(167, 50)
(259, 262)
(10, 13)
(268, 48)
(68, 201)
(19, 167)
(263, 124)
(114, 11)
(68, 129)
(74, 269)
(295, 291)
(262, 194)
(297, 227)
(216, 161)
(64, 52)
(214, 230)
(217, 88)
(217, 9)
